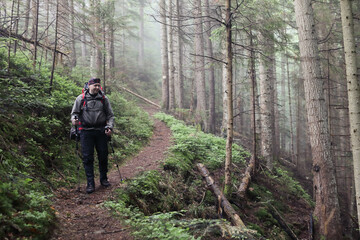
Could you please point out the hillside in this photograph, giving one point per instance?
(163, 197)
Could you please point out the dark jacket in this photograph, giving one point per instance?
(94, 112)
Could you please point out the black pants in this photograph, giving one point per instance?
(90, 140)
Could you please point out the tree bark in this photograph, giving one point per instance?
(223, 202)
(141, 35)
(211, 69)
(27, 18)
(171, 59)
(73, 49)
(17, 24)
(325, 191)
(164, 58)
(54, 53)
(267, 101)
(35, 29)
(179, 85)
(353, 91)
(229, 90)
(293, 159)
(200, 114)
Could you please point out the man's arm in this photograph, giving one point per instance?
(76, 110)
(109, 114)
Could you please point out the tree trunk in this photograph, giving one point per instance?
(325, 191)
(164, 58)
(179, 86)
(54, 53)
(211, 69)
(229, 90)
(17, 24)
(282, 103)
(353, 91)
(253, 99)
(290, 113)
(275, 109)
(141, 35)
(73, 49)
(171, 59)
(266, 102)
(35, 29)
(200, 69)
(223, 202)
(27, 18)
(224, 96)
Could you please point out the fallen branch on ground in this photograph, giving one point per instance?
(141, 97)
(223, 202)
(246, 179)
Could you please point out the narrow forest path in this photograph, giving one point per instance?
(81, 215)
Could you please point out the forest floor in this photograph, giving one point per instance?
(81, 215)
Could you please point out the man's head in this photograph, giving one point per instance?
(94, 85)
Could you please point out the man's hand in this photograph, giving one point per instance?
(75, 122)
(108, 131)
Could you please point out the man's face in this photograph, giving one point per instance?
(94, 88)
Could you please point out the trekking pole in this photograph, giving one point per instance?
(116, 161)
(77, 153)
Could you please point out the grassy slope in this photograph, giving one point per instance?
(175, 204)
(36, 155)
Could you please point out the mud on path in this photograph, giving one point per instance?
(81, 215)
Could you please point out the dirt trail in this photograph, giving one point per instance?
(81, 215)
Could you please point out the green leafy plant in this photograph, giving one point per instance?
(192, 145)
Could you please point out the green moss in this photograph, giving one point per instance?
(256, 228)
(258, 193)
(265, 217)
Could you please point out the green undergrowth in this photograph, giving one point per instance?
(36, 154)
(193, 145)
(174, 203)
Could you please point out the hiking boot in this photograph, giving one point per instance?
(90, 188)
(105, 183)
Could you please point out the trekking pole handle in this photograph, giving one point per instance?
(76, 129)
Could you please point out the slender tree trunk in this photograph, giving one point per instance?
(73, 49)
(211, 70)
(179, 87)
(200, 69)
(327, 209)
(27, 18)
(141, 35)
(282, 102)
(224, 96)
(47, 9)
(253, 99)
(229, 86)
(17, 24)
(112, 50)
(104, 57)
(55, 46)
(353, 87)
(164, 58)
(35, 29)
(171, 59)
(290, 112)
(275, 109)
(298, 126)
(10, 31)
(83, 48)
(267, 102)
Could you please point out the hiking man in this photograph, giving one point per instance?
(93, 114)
